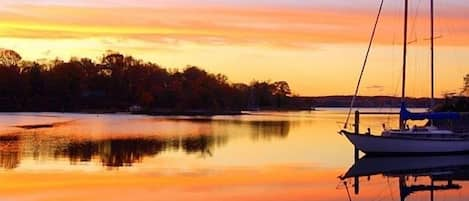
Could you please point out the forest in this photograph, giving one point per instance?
(119, 82)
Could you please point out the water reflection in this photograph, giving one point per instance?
(259, 129)
(270, 129)
(9, 152)
(426, 174)
(124, 150)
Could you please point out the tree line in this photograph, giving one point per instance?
(465, 89)
(117, 82)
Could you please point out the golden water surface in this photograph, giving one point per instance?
(262, 156)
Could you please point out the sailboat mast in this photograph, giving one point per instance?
(404, 63)
(432, 39)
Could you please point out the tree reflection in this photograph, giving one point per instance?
(200, 144)
(257, 129)
(270, 129)
(125, 152)
(118, 152)
(9, 152)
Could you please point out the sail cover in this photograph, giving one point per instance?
(407, 115)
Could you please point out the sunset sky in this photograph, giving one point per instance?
(317, 46)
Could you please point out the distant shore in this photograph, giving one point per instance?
(294, 104)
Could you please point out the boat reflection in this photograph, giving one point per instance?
(121, 151)
(443, 170)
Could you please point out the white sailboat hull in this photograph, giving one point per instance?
(391, 145)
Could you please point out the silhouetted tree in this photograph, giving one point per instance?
(33, 79)
(465, 91)
(65, 83)
(118, 82)
(282, 92)
(9, 57)
(11, 88)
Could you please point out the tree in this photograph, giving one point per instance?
(9, 57)
(33, 77)
(119, 81)
(262, 94)
(465, 90)
(282, 91)
(281, 88)
(113, 59)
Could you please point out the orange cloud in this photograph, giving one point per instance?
(288, 27)
(236, 40)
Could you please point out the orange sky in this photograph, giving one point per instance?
(318, 49)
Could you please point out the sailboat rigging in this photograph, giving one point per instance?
(373, 33)
(416, 140)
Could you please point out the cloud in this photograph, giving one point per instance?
(379, 88)
(287, 27)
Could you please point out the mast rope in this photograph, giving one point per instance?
(364, 64)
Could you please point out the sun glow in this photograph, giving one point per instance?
(305, 46)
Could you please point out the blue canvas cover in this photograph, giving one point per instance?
(407, 115)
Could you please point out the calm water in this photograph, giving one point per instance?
(261, 156)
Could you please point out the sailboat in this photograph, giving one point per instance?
(415, 140)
